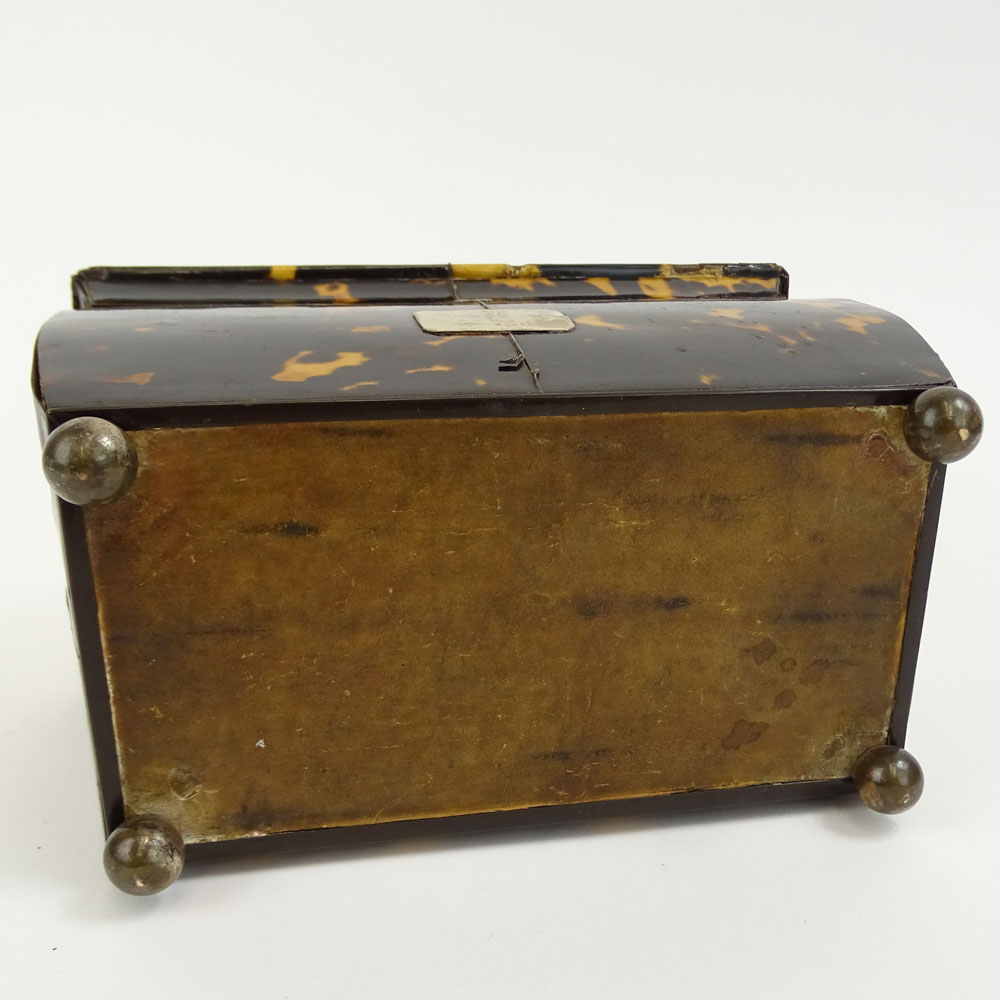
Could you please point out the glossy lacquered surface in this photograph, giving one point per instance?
(283, 285)
(90, 361)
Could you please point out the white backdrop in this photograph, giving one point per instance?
(854, 142)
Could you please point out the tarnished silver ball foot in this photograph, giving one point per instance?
(888, 779)
(143, 856)
(88, 460)
(943, 424)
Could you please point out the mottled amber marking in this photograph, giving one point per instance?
(729, 283)
(283, 272)
(528, 284)
(429, 368)
(707, 379)
(369, 329)
(930, 374)
(860, 323)
(437, 341)
(143, 329)
(336, 290)
(739, 324)
(297, 370)
(785, 339)
(97, 348)
(139, 378)
(603, 284)
(357, 385)
(730, 312)
(656, 288)
(713, 276)
(807, 336)
(494, 272)
(592, 319)
(480, 272)
(526, 271)
(481, 381)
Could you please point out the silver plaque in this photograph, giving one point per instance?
(493, 321)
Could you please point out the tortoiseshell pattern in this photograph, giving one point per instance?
(112, 359)
(120, 287)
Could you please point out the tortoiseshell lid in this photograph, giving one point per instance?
(149, 338)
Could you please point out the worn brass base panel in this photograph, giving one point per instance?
(331, 624)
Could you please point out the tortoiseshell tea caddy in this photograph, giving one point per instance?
(359, 553)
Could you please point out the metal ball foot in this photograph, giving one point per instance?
(88, 460)
(144, 855)
(888, 779)
(943, 424)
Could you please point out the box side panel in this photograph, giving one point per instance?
(336, 624)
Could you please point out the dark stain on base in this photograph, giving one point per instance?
(814, 616)
(819, 438)
(290, 529)
(744, 732)
(813, 672)
(670, 603)
(784, 699)
(876, 590)
(597, 605)
(592, 607)
(762, 651)
(348, 429)
(209, 630)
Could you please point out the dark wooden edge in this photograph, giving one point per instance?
(520, 819)
(83, 609)
(919, 584)
(84, 605)
(228, 415)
